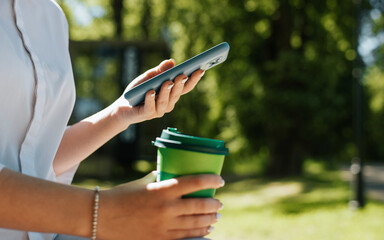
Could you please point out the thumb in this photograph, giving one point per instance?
(140, 183)
(166, 64)
(149, 178)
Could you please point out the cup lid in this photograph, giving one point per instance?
(172, 138)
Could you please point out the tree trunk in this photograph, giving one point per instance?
(286, 158)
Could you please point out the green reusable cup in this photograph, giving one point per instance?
(179, 154)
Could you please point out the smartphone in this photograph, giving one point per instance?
(205, 61)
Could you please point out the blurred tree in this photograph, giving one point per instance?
(374, 79)
(285, 92)
(92, 54)
(287, 84)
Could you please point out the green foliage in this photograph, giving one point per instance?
(285, 92)
(93, 76)
(286, 85)
(373, 82)
(89, 19)
(374, 123)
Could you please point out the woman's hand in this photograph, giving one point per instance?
(83, 138)
(153, 107)
(139, 210)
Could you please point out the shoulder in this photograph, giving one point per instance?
(54, 8)
(55, 17)
(46, 12)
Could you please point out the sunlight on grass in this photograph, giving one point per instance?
(306, 208)
(245, 191)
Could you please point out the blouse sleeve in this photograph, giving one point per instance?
(67, 177)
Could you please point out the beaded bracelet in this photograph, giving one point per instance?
(95, 212)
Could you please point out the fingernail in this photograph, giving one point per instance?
(221, 206)
(170, 86)
(222, 183)
(184, 80)
(153, 94)
(202, 74)
(218, 216)
(210, 229)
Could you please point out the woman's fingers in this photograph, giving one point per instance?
(199, 232)
(191, 206)
(162, 67)
(166, 64)
(193, 80)
(149, 107)
(177, 90)
(193, 183)
(182, 85)
(197, 221)
(175, 188)
(156, 210)
(163, 98)
(169, 93)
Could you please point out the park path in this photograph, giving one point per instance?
(373, 179)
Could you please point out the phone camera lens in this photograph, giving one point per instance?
(214, 62)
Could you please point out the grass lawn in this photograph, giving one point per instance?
(311, 207)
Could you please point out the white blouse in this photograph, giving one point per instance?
(37, 91)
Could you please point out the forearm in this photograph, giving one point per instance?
(83, 138)
(32, 204)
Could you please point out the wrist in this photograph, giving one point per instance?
(118, 115)
(83, 226)
(111, 118)
(105, 214)
(95, 214)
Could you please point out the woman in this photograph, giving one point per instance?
(39, 153)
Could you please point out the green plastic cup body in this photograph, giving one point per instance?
(179, 155)
(173, 163)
